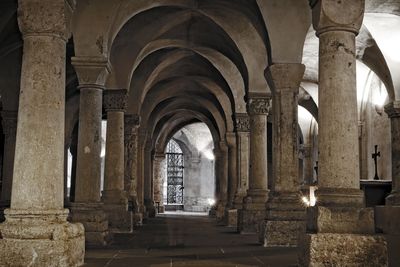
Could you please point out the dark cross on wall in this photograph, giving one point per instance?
(375, 157)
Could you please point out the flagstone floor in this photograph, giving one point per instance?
(185, 239)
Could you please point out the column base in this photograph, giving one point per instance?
(252, 216)
(238, 200)
(285, 221)
(220, 213)
(393, 199)
(94, 219)
(120, 220)
(232, 218)
(41, 238)
(387, 220)
(330, 249)
(3, 206)
(340, 197)
(150, 208)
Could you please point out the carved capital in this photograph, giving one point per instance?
(92, 72)
(45, 17)
(223, 147)
(286, 76)
(259, 105)
(242, 122)
(115, 100)
(393, 109)
(9, 123)
(343, 15)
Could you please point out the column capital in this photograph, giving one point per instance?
(284, 76)
(159, 156)
(242, 122)
(92, 72)
(45, 17)
(343, 15)
(393, 109)
(115, 99)
(258, 104)
(9, 122)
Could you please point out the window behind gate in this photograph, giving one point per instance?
(175, 166)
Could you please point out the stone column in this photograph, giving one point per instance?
(87, 207)
(148, 180)
(338, 222)
(140, 171)
(114, 196)
(253, 213)
(231, 213)
(158, 180)
(9, 119)
(221, 171)
(243, 149)
(285, 218)
(393, 111)
(308, 164)
(36, 231)
(131, 160)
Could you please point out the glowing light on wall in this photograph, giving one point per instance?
(208, 154)
(311, 200)
(211, 201)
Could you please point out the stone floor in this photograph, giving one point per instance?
(187, 240)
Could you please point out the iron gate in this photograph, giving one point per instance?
(175, 168)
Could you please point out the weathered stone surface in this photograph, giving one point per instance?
(40, 239)
(233, 218)
(343, 250)
(340, 220)
(94, 220)
(283, 233)
(393, 111)
(120, 220)
(251, 218)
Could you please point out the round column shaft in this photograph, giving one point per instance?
(243, 134)
(115, 105)
(393, 111)
(258, 179)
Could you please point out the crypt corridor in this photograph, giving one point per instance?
(122, 120)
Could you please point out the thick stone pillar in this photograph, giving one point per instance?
(231, 213)
(232, 167)
(285, 218)
(131, 161)
(221, 171)
(114, 196)
(308, 164)
(148, 180)
(338, 222)
(36, 231)
(140, 171)
(388, 217)
(159, 165)
(243, 155)
(87, 207)
(253, 213)
(393, 111)
(9, 120)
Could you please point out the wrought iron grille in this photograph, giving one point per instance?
(175, 166)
